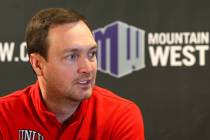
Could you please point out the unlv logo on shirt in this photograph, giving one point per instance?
(29, 135)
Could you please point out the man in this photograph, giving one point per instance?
(64, 103)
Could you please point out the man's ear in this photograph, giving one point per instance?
(37, 63)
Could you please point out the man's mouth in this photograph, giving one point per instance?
(84, 82)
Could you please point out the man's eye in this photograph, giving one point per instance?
(92, 54)
(72, 57)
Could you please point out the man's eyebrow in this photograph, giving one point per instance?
(78, 50)
(70, 50)
(94, 47)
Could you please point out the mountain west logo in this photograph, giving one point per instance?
(121, 49)
(29, 135)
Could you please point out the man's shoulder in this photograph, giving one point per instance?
(108, 96)
(119, 116)
(111, 107)
(15, 98)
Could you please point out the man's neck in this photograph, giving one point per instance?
(63, 108)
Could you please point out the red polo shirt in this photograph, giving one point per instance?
(104, 116)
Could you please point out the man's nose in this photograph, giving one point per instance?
(85, 65)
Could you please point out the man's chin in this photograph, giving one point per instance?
(87, 94)
(82, 95)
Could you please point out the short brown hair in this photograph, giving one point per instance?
(38, 27)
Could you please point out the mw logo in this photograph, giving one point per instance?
(121, 49)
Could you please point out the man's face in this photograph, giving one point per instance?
(70, 69)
